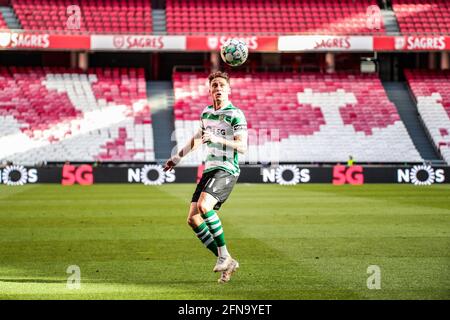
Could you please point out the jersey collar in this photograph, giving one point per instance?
(228, 107)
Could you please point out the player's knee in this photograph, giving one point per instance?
(194, 220)
(202, 207)
(191, 221)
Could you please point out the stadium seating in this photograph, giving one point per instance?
(56, 114)
(269, 17)
(3, 24)
(432, 92)
(422, 16)
(97, 16)
(303, 117)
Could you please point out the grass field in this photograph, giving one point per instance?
(301, 242)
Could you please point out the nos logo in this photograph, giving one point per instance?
(18, 175)
(150, 175)
(286, 175)
(422, 175)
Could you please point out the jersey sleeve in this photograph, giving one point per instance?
(201, 125)
(239, 123)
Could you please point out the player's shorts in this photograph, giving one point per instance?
(217, 183)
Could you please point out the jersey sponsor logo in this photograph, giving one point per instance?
(216, 131)
(286, 175)
(15, 175)
(421, 175)
(151, 175)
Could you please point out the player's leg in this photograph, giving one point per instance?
(195, 221)
(205, 205)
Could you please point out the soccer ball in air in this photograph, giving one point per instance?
(234, 52)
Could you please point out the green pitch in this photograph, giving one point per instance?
(301, 242)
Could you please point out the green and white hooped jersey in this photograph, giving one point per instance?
(227, 123)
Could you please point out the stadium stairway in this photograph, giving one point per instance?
(399, 94)
(10, 17)
(161, 100)
(390, 22)
(159, 21)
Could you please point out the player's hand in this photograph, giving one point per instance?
(171, 163)
(209, 137)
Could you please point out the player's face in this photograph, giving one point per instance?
(219, 89)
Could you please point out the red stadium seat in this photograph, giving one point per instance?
(3, 24)
(281, 17)
(307, 110)
(417, 16)
(102, 114)
(105, 15)
(432, 92)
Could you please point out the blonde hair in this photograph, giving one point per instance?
(218, 74)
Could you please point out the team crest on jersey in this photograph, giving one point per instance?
(221, 117)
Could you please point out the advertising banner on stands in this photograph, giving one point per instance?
(36, 40)
(412, 43)
(288, 174)
(213, 43)
(41, 40)
(138, 43)
(325, 43)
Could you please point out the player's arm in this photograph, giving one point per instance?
(193, 143)
(239, 143)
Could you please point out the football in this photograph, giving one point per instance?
(234, 52)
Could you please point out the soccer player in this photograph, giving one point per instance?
(223, 129)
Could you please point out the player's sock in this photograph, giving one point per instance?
(206, 237)
(215, 227)
(223, 251)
